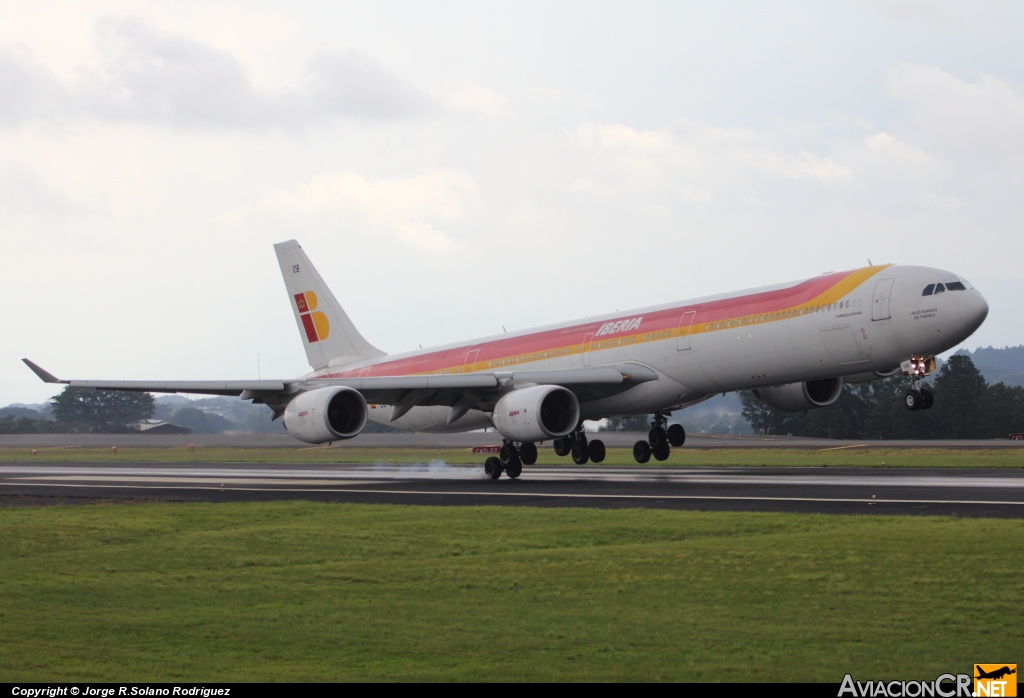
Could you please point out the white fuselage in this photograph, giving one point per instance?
(849, 324)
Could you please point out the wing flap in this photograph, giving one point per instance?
(235, 388)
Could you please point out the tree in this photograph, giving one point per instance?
(960, 403)
(106, 411)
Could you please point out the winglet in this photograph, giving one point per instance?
(45, 375)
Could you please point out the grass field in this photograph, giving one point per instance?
(303, 591)
(719, 457)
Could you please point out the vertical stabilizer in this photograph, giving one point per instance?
(328, 335)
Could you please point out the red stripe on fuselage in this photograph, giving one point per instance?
(450, 360)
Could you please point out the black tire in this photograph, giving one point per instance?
(656, 436)
(508, 455)
(596, 450)
(641, 451)
(563, 446)
(661, 451)
(912, 399)
(528, 453)
(676, 435)
(579, 453)
(514, 470)
(927, 398)
(492, 466)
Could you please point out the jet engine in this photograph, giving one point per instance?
(798, 397)
(536, 414)
(326, 414)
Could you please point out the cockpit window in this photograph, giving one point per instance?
(928, 290)
(955, 286)
(939, 288)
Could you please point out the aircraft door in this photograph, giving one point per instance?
(683, 333)
(587, 341)
(880, 301)
(470, 360)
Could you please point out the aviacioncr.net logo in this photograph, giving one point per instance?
(314, 322)
(945, 686)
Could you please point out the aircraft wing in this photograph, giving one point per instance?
(430, 389)
(589, 383)
(235, 388)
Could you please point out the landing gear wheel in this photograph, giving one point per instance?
(528, 453)
(657, 436)
(514, 470)
(563, 446)
(508, 456)
(927, 398)
(641, 451)
(661, 451)
(913, 400)
(580, 454)
(596, 450)
(492, 466)
(676, 435)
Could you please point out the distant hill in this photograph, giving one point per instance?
(1004, 365)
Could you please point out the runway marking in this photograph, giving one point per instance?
(189, 480)
(548, 495)
(388, 474)
(843, 448)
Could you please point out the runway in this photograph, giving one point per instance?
(964, 492)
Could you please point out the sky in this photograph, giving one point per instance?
(453, 168)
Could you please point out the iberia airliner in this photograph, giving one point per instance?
(794, 344)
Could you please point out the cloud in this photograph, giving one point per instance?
(150, 77)
(23, 192)
(479, 100)
(30, 91)
(694, 163)
(416, 210)
(351, 84)
(970, 121)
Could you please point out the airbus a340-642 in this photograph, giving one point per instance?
(794, 344)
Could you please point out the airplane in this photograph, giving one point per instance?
(994, 674)
(793, 344)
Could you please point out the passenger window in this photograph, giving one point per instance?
(928, 290)
(939, 288)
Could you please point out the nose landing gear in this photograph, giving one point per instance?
(918, 397)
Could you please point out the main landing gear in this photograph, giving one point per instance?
(510, 459)
(660, 440)
(918, 397)
(582, 450)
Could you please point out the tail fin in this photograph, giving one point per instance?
(327, 333)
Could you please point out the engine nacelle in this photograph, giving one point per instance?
(326, 414)
(536, 414)
(798, 397)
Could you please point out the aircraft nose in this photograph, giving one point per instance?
(973, 310)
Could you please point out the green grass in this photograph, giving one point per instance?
(303, 591)
(719, 457)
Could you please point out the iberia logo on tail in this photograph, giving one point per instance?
(313, 321)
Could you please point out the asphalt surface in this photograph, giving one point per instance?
(966, 492)
(459, 440)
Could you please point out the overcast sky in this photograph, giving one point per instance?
(452, 168)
